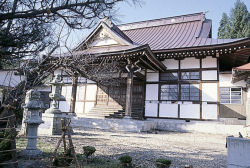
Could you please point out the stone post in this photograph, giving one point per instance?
(33, 108)
(23, 130)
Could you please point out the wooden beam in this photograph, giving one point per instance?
(140, 75)
(147, 64)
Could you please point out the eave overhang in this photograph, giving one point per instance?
(203, 51)
(140, 53)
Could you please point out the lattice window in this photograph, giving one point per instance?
(190, 75)
(169, 92)
(168, 76)
(230, 95)
(190, 92)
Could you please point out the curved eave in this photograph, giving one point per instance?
(143, 51)
(205, 49)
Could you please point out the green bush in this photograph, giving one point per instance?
(126, 161)
(88, 151)
(5, 144)
(163, 163)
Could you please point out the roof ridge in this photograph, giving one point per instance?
(163, 21)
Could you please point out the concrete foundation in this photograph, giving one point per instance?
(212, 127)
(128, 125)
(238, 152)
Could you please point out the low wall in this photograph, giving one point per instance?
(129, 125)
(238, 152)
(212, 127)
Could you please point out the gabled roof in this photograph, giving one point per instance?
(112, 30)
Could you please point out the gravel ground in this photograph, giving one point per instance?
(196, 149)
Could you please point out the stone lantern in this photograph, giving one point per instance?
(33, 108)
(52, 116)
(56, 84)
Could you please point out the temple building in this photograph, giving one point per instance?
(171, 68)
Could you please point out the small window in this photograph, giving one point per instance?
(190, 75)
(169, 92)
(169, 76)
(190, 92)
(230, 95)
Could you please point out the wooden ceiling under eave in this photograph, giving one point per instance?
(235, 59)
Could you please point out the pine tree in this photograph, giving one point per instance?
(237, 25)
(240, 21)
(223, 31)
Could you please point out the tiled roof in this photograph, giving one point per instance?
(175, 32)
(245, 67)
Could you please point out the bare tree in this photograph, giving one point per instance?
(27, 28)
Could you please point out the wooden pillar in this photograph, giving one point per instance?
(73, 94)
(128, 108)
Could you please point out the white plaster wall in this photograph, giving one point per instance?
(238, 152)
(225, 81)
(209, 62)
(66, 91)
(89, 106)
(188, 63)
(80, 92)
(171, 63)
(64, 106)
(90, 81)
(107, 41)
(91, 92)
(67, 80)
(190, 111)
(209, 92)
(209, 75)
(8, 78)
(82, 80)
(152, 91)
(152, 77)
(209, 111)
(168, 110)
(79, 107)
(151, 109)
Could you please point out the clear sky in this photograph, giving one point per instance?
(154, 9)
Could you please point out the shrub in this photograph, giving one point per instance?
(126, 161)
(163, 163)
(5, 144)
(88, 151)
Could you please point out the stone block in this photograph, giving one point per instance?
(52, 124)
(238, 152)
